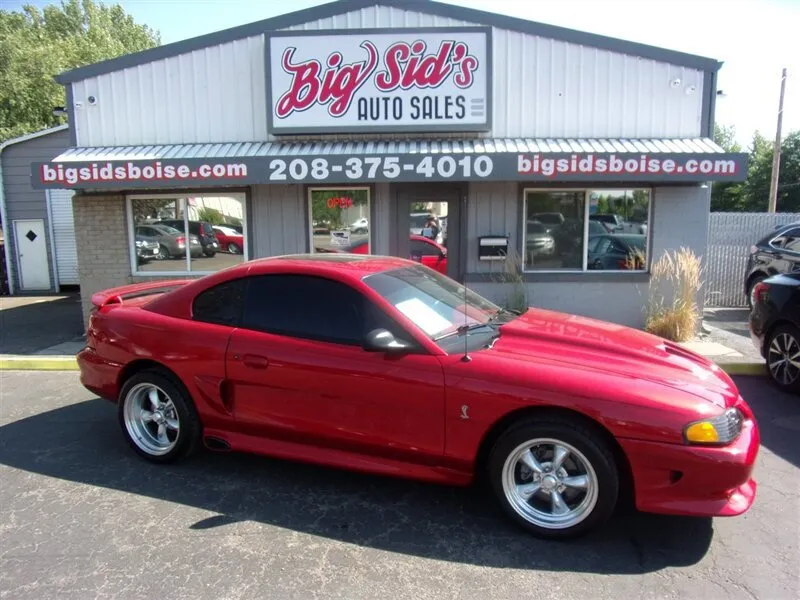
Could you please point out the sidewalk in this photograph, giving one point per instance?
(40, 332)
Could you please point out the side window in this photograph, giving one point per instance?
(221, 304)
(602, 245)
(305, 307)
(792, 243)
(594, 242)
(618, 248)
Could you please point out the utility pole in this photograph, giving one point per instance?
(776, 153)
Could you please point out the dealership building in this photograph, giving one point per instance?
(571, 158)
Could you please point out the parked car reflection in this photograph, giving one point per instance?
(613, 252)
(229, 239)
(421, 249)
(171, 242)
(538, 240)
(146, 249)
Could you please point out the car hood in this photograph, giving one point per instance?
(592, 345)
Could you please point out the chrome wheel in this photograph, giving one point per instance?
(151, 419)
(550, 483)
(783, 359)
(233, 248)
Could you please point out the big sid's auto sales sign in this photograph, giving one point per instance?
(379, 80)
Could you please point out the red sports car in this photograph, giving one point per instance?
(422, 249)
(229, 239)
(386, 366)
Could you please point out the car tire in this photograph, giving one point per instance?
(209, 254)
(163, 428)
(586, 480)
(234, 248)
(782, 344)
(750, 285)
(163, 252)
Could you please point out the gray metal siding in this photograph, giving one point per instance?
(22, 201)
(679, 218)
(278, 220)
(542, 87)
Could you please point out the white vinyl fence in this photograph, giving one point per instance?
(730, 236)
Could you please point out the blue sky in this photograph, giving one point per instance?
(755, 38)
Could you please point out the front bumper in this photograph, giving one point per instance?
(695, 480)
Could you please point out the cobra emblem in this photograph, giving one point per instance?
(464, 409)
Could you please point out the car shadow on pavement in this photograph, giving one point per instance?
(777, 414)
(82, 443)
(39, 323)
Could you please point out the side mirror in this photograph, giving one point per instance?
(442, 255)
(381, 340)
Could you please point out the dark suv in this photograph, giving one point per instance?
(778, 252)
(202, 230)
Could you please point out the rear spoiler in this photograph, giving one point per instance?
(118, 294)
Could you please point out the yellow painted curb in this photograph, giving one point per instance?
(38, 363)
(744, 368)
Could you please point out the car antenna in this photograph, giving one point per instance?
(466, 357)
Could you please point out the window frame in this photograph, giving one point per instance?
(586, 196)
(131, 227)
(310, 217)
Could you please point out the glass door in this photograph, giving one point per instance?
(428, 227)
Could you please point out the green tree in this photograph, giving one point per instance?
(36, 45)
(210, 215)
(756, 188)
(727, 196)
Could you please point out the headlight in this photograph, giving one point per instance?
(720, 430)
(139, 243)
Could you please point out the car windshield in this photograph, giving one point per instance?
(433, 302)
(534, 227)
(418, 221)
(166, 229)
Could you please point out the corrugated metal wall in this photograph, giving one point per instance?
(63, 228)
(730, 236)
(542, 88)
(22, 201)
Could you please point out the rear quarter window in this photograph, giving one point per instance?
(221, 304)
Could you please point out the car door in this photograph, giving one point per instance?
(298, 373)
(429, 254)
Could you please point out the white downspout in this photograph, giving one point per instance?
(53, 262)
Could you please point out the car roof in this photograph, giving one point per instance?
(353, 265)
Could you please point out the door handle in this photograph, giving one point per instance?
(255, 361)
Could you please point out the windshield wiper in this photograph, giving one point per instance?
(460, 331)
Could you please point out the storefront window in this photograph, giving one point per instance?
(597, 230)
(340, 220)
(197, 234)
(554, 224)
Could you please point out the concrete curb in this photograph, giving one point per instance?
(38, 363)
(744, 368)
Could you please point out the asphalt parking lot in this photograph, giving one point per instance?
(83, 517)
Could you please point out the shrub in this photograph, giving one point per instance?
(675, 282)
(513, 277)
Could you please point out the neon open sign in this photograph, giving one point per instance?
(340, 202)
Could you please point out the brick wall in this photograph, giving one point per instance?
(101, 230)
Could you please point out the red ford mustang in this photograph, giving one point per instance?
(386, 366)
